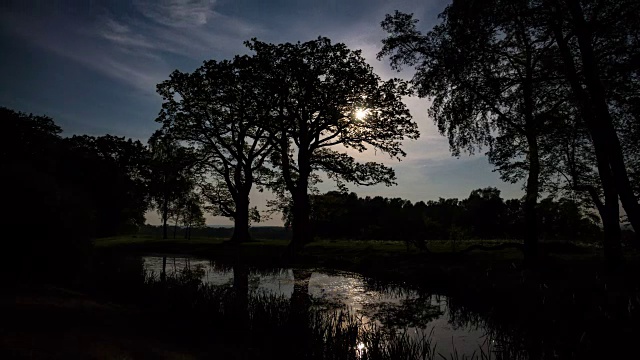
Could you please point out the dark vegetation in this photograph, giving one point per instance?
(540, 84)
(483, 215)
(64, 192)
(548, 87)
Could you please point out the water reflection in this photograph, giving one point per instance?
(392, 308)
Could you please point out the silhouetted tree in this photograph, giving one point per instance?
(171, 174)
(113, 173)
(221, 111)
(30, 154)
(80, 187)
(327, 96)
(599, 40)
(483, 215)
(565, 220)
(485, 68)
(484, 211)
(443, 219)
(186, 211)
(334, 214)
(513, 219)
(193, 215)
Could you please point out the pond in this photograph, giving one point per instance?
(390, 306)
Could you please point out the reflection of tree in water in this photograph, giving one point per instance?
(504, 341)
(555, 325)
(409, 313)
(299, 315)
(241, 295)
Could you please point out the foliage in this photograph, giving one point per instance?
(483, 215)
(114, 171)
(220, 112)
(64, 191)
(597, 43)
(171, 173)
(546, 85)
(320, 88)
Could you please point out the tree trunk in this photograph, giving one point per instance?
(301, 224)
(165, 215)
(531, 204)
(611, 223)
(301, 205)
(612, 234)
(533, 179)
(175, 227)
(241, 220)
(611, 142)
(610, 213)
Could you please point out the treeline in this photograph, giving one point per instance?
(60, 192)
(483, 215)
(90, 186)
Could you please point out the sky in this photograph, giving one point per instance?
(93, 65)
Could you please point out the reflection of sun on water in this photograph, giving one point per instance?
(372, 306)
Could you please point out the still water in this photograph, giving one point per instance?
(390, 306)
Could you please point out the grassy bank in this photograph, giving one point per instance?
(570, 307)
(386, 259)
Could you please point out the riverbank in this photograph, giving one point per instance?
(571, 304)
(444, 262)
(570, 307)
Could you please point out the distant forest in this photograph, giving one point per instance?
(483, 215)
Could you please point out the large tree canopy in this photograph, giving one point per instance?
(518, 76)
(328, 98)
(220, 110)
(485, 67)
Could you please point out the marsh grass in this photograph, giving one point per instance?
(569, 308)
(267, 326)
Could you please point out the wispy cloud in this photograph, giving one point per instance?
(138, 44)
(177, 13)
(121, 34)
(132, 47)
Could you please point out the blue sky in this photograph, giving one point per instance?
(93, 65)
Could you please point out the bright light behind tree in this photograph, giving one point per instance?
(361, 113)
